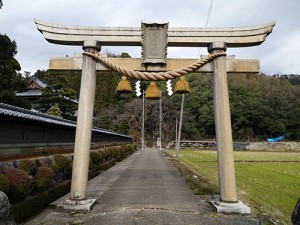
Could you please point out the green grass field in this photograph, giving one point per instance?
(267, 181)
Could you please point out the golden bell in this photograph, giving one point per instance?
(182, 86)
(124, 86)
(152, 92)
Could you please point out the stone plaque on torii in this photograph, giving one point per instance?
(154, 65)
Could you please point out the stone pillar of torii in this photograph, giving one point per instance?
(154, 39)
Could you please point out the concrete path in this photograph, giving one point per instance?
(143, 189)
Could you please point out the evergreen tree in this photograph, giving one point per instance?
(62, 89)
(10, 79)
(54, 111)
(125, 55)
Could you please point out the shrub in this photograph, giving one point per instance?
(43, 177)
(18, 183)
(54, 167)
(4, 185)
(102, 154)
(62, 162)
(116, 152)
(95, 157)
(109, 153)
(62, 167)
(28, 165)
(123, 151)
(134, 145)
(130, 148)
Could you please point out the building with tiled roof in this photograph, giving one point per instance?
(24, 131)
(34, 90)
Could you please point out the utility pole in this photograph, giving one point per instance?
(143, 122)
(180, 126)
(176, 139)
(160, 120)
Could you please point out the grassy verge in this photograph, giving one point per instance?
(269, 182)
(199, 184)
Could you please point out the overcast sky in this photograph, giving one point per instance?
(278, 54)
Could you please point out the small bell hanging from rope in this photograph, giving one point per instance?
(152, 92)
(124, 86)
(182, 86)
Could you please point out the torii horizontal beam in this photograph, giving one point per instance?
(177, 36)
(233, 65)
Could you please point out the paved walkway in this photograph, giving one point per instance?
(143, 189)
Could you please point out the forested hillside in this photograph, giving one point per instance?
(261, 106)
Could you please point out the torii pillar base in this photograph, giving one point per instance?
(82, 206)
(229, 208)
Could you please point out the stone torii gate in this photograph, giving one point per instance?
(154, 39)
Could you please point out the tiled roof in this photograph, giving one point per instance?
(37, 93)
(30, 93)
(16, 112)
(39, 82)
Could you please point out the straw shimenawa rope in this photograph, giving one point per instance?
(154, 76)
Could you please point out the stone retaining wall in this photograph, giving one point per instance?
(254, 146)
(274, 146)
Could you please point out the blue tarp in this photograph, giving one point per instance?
(276, 139)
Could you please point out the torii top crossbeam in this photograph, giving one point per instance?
(177, 37)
